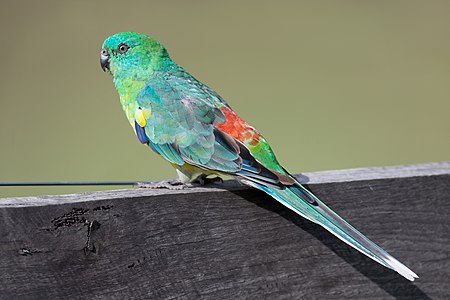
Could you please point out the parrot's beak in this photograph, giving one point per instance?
(104, 59)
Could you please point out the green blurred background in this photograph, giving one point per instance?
(331, 84)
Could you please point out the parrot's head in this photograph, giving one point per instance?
(132, 55)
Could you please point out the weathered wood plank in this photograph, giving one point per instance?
(225, 244)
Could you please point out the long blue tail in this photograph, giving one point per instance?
(306, 204)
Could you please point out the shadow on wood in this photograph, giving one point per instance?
(224, 244)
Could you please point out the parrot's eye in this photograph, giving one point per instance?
(122, 48)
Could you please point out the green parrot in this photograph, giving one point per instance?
(193, 128)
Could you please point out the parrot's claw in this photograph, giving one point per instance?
(173, 184)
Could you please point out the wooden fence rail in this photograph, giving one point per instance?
(230, 242)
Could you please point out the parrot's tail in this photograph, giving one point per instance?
(303, 202)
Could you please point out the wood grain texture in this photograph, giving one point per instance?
(237, 243)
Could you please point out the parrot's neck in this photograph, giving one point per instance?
(128, 89)
(129, 85)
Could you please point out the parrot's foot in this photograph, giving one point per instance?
(172, 184)
(203, 180)
(176, 184)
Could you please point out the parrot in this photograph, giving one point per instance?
(196, 131)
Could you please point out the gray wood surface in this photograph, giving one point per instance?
(229, 242)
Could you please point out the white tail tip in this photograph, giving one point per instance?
(401, 269)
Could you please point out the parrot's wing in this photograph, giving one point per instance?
(178, 124)
(177, 117)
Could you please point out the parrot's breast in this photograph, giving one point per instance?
(128, 91)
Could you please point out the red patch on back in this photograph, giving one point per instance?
(237, 128)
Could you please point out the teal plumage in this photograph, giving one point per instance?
(185, 120)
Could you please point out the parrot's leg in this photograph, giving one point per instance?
(188, 176)
(185, 177)
(204, 179)
(192, 176)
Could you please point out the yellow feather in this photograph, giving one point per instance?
(141, 115)
(140, 118)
